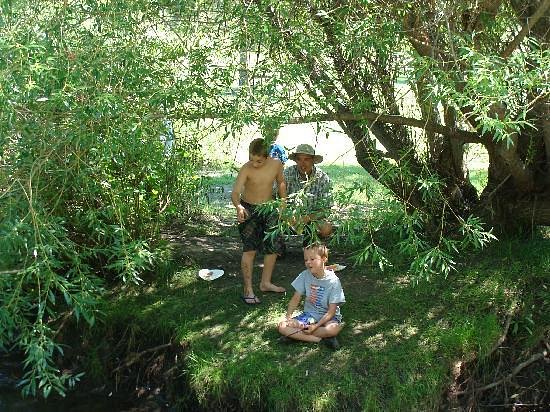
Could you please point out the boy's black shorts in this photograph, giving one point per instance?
(253, 231)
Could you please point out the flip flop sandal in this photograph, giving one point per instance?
(251, 300)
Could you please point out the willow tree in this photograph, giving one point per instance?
(478, 71)
(413, 84)
(85, 87)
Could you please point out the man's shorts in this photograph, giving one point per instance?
(253, 232)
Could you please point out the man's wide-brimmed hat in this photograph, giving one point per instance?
(307, 150)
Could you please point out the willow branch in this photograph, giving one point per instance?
(453, 133)
(526, 29)
(134, 357)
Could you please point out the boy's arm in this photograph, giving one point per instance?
(281, 183)
(293, 304)
(326, 317)
(236, 195)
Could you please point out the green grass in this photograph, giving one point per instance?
(344, 179)
(478, 177)
(399, 340)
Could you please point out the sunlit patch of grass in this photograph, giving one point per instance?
(208, 377)
(354, 184)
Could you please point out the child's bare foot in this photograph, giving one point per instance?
(270, 287)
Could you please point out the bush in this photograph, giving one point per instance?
(86, 182)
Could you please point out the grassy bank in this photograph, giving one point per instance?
(400, 344)
(400, 341)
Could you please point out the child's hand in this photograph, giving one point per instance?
(309, 329)
(242, 213)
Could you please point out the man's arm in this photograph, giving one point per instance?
(325, 191)
(322, 191)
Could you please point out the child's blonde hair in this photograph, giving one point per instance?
(319, 249)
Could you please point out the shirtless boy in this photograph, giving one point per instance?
(253, 187)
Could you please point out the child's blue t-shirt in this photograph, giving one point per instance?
(319, 293)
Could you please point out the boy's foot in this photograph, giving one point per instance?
(284, 339)
(332, 343)
(270, 287)
(251, 300)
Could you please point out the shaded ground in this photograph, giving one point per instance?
(221, 248)
(469, 389)
(223, 251)
(218, 246)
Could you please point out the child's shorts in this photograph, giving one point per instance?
(254, 229)
(306, 318)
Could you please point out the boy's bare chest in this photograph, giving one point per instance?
(264, 175)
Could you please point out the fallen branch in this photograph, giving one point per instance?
(503, 336)
(514, 372)
(133, 358)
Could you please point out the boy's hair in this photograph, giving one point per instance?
(318, 248)
(257, 147)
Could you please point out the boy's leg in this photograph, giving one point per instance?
(272, 247)
(291, 330)
(328, 331)
(247, 264)
(267, 272)
(325, 230)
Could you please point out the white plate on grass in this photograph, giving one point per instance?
(210, 274)
(336, 267)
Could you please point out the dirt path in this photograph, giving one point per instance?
(223, 251)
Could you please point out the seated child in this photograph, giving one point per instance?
(321, 319)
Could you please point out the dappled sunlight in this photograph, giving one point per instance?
(216, 330)
(403, 331)
(435, 312)
(359, 328)
(325, 401)
(376, 342)
(396, 345)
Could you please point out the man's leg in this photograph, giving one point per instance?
(247, 264)
(269, 265)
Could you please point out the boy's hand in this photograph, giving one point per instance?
(242, 213)
(309, 329)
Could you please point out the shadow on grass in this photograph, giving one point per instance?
(398, 344)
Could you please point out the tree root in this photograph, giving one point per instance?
(507, 378)
(134, 357)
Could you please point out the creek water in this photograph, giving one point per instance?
(11, 401)
(82, 399)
